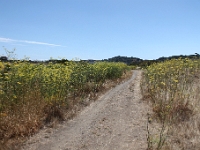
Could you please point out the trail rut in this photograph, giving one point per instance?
(116, 121)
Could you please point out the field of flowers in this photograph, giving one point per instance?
(31, 94)
(173, 88)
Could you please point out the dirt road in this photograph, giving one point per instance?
(116, 121)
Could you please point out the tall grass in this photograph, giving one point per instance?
(34, 94)
(173, 88)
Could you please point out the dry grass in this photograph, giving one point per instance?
(21, 121)
(186, 134)
(175, 116)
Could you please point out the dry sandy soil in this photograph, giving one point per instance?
(116, 121)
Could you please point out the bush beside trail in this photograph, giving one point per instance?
(32, 95)
(173, 88)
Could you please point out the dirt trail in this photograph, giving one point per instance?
(116, 121)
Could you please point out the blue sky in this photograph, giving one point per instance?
(99, 29)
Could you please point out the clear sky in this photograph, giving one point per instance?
(99, 29)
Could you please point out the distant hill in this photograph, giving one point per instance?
(124, 59)
(179, 56)
(143, 63)
(128, 60)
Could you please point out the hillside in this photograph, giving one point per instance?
(125, 59)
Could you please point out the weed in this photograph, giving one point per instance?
(170, 87)
(32, 95)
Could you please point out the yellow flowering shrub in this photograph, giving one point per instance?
(167, 83)
(54, 81)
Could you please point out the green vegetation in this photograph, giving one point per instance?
(173, 88)
(32, 94)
